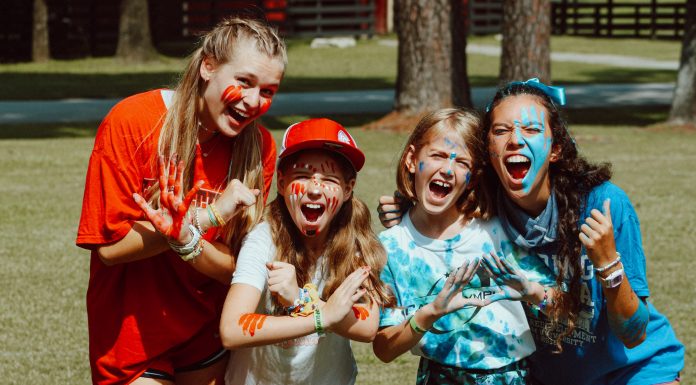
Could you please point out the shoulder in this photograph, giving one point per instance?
(266, 139)
(620, 204)
(487, 229)
(260, 231)
(139, 106)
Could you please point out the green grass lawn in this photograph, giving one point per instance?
(43, 278)
(369, 65)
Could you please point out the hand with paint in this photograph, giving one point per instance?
(236, 197)
(597, 235)
(170, 219)
(450, 299)
(512, 282)
(282, 282)
(342, 302)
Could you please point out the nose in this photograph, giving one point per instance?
(448, 167)
(516, 136)
(313, 189)
(252, 97)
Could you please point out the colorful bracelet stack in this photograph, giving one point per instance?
(195, 220)
(192, 249)
(215, 218)
(307, 302)
(545, 301)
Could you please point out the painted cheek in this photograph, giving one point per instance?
(449, 165)
(539, 146)
(265, 105)
(297, 191)
(421, 166)
(231, 94)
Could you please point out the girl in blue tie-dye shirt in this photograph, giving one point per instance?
(433, 266)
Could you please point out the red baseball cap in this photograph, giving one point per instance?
(324, 134)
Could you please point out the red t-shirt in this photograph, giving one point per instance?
(139, 310)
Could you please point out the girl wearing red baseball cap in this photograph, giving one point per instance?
(307, 279)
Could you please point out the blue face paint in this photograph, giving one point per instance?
(451, 159)
(467, 179)
(537, 147)
(420, 166)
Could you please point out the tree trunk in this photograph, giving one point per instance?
(40, 50)
(134, 40)
(684, 103)
(526, 40)
(432, 60)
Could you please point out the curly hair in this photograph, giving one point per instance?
(572, 178)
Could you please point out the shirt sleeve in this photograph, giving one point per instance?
(108, 208)
(268, 156)
(256, 250)
(392, 315)
(629, 244)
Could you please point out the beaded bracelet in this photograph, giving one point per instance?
(189, 247)
(318, 322)
(196, 252)
(196, 221)
(307, 303)
(545, 301)
(610, 265)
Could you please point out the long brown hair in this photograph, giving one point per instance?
(572, 178)
(351, 242)
(465, 123)
(180, 129)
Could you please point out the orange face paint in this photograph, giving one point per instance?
(231, 94)
(360, 313)
(264, 106)
(250, 322)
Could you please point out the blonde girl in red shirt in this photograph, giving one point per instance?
(158, 281)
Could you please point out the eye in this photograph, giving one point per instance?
(267, 93)
(244, 82)
(500, 130)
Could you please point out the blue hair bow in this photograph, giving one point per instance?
(557, 94)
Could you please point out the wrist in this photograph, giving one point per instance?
(428, 315)
(535, 295)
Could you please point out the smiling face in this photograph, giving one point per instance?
(521, 149)
(239, 91)
(441, 171)
(314, 187)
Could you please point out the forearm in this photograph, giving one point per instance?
(246, 330)
(360, 325)
(142, 241)
(215, 261)
(628, 315)
(393, 341)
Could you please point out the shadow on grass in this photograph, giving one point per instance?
(617, 116)
(48, 130)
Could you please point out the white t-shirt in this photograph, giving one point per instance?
(417, 267)
(306, 360)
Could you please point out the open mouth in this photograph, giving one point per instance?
(237, 115)
(440, 189)
(312, 211)
(517, 166)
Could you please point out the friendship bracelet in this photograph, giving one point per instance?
(610, 265)
(211, 217)
(218, 218)
(414, 325)
(318, 322)
(189, 247)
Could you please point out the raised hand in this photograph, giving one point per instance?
(512, 282)
(597, 235)
(449, 299)
(282, 282)
(341, 302)
(235, 198)
(170, 217)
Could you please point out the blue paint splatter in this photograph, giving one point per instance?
(420, 166)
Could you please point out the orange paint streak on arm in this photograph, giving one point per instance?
(250, 322)
(360, 312)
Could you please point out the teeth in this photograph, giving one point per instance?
(517, 159)
(313, 206)
(244, 115)
(442, 184)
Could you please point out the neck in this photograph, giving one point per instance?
(315, 245)
(535, 202)
(438, 226)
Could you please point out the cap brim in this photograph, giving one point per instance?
(354, 155)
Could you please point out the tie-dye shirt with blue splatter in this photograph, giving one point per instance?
(473, 338)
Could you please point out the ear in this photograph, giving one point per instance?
(280, 181)
(411, 159)
(348, 190)
(207, 69)
(555, 153)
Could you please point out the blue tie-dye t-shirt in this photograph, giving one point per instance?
(417, 267)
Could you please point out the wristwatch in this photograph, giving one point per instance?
(612, 280)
